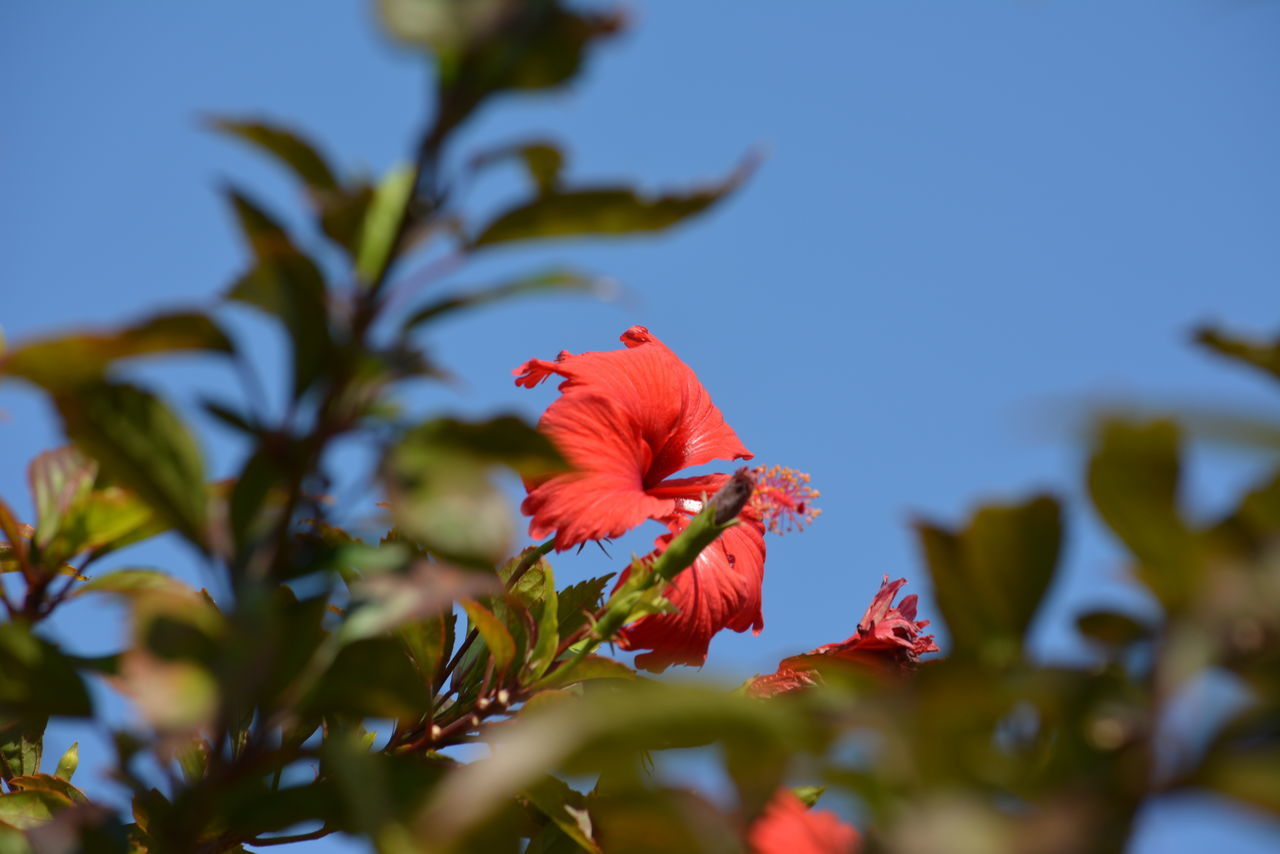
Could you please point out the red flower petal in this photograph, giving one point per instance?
(626, 419)
(787, 827)
(720, 591)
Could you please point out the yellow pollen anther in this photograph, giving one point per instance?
(783, 498)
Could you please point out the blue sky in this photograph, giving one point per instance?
(975, 222)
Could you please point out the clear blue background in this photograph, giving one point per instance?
(976, 221)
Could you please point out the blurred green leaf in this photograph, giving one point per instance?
(484, 47)
(1112, 629)
(373, 677)
(990, 576)
(35, 679)
(809, 795)
(602, 211)
(542, 160)
(382, 221)
(388, 600)
(289, 148)
(550, 281)
(26, 810)
(69, 761)
(129, 582)
(1262, 356)
(140, 442)
(565, 807)
(1133, 481)
(598, 731)
(21, 745)
(286, 284)
(61, 480)
(62, 364)
(494, 634)
(439, 489)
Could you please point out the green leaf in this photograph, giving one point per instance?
(388, 600)
(604, 729)
(21, 745)
(542, 160)
(61, 481)
(584, 670)
(27, 810)
(134, 582)
(69, 761)
(990, 577)
(36, 680)
(578, 600)
(1133, 480)
(429, 643)
(439, 489)
(66, 362)
(1111, 629)
(548, 616)
(288, 285)
(382, 222)
(809, 795)
(603, 211)
(140, 442)
(1262, 356)
(551, 281)
(373, 677)
(494, 634)
(286, 146)
(565, 807)
(47, 783)
(483, 47)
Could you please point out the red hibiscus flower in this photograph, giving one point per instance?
(888, 639)
(787, 827)
(627, 420)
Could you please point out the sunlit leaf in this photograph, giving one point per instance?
(496, 637)
(139, 442)
(26, 810)
(69, 761)
(602, 211)
(48, 783)
(382, 222)
(65, 362)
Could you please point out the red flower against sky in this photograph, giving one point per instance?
(788, 827)
(888, 639)
(627, 420)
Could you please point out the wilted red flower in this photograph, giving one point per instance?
(787, 826)
(627, 420)
(888, 639)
